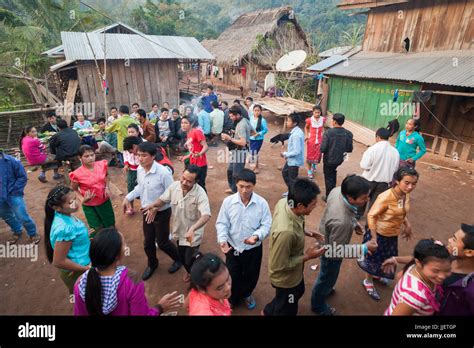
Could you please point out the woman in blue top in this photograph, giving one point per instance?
(408, 142)
(66, 237)
(260, 125)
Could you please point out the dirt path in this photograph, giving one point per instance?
(439, 203)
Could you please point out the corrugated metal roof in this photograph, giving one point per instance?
(59, 50)
(327, 63)
(120, 46)
(453, 68)
(341, 50)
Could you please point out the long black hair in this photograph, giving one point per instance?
(260, 118)
(24, 133)
(135, 126)
(105, 248)
(205, 268)
(55, 199)
(427, 250)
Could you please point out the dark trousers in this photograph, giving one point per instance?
(244, 269)
(328, 274)
(187, 255)
(159, 231)
(236, 165)
(201, 177)
(289, 173)
(330, 177)
(285, 301)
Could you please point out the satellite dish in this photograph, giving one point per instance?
(291, 60)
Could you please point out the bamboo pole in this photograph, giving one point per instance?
(15, 112)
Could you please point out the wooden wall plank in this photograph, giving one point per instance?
(146, 80)
(129, 83)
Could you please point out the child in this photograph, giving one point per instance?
(66, 237)
(418, 291)
(164, 128)
(35, 153)
(131, 164)
(210, 287)
(260, 125)
(106, 149)
(91, 181)
(107, 289)
(197, 146)
(178, 139)
(458, 288)
(313, 137)
(295, 155)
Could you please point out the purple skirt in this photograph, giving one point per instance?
(387, 247)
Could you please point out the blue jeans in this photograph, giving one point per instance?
(13, 211)
(326, 280)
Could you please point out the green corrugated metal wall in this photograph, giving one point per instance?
(360, 100)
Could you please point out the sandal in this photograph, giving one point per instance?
(310, 174)
(14, 238)
(382, 280)
(250, 302)
(369, 287)
(34, 239)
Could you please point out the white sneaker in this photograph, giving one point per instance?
(285, 195)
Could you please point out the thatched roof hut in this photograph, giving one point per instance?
(241, 40)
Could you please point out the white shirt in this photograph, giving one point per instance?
(237, 222)
(380, 161)
(151, 185)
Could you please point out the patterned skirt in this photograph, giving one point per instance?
(387, 247)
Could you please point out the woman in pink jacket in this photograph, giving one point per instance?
(107, 289)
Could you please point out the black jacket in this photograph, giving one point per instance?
(48, 128)
(65, 144)
(336, 142)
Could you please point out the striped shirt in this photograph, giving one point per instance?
(413, 292)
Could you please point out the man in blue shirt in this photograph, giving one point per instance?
(295, 154)
(208, 97)
(12, 205)
(204, 119)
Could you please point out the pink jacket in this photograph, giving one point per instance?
(131, 299)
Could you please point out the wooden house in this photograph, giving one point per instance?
(119, 65)
(252, 45)
(409, 47)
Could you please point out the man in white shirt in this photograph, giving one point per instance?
(217, 123)
(379, 162)
(153, 180)
(134, 113)
(243, 223)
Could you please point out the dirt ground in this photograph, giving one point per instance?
(439, 204)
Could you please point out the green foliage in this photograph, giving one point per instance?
(29, 27)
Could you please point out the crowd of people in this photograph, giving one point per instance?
(436, 279)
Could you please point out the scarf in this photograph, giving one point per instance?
(317, 124)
